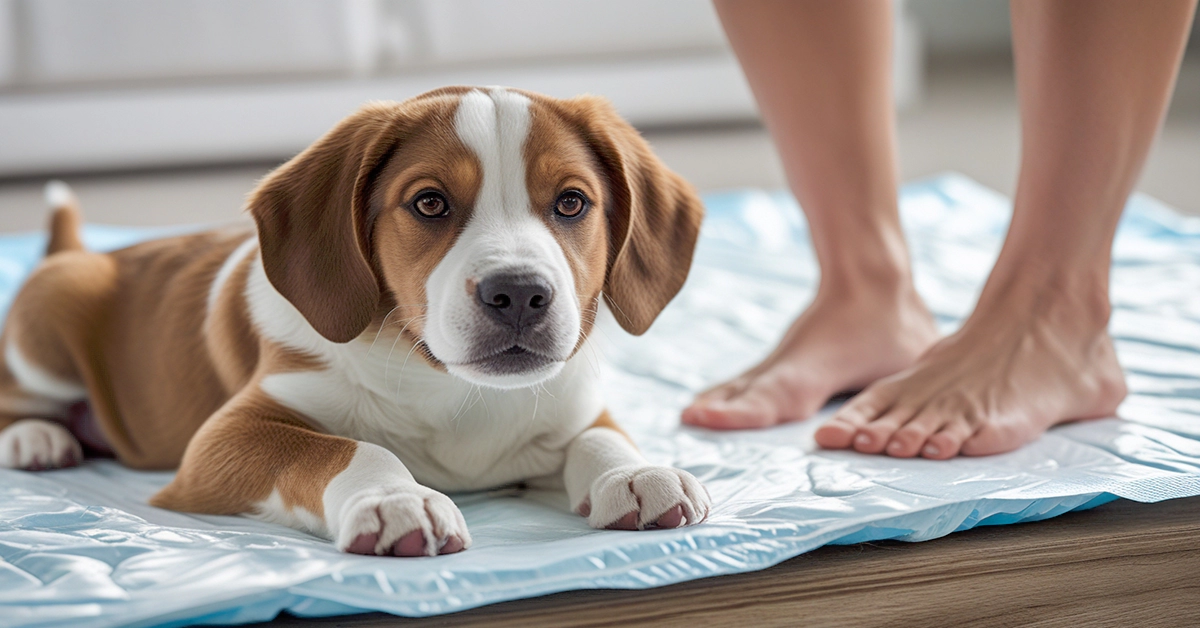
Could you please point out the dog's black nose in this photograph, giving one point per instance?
(515, 300)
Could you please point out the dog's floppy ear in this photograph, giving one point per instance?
(311, 218)
(654, 217)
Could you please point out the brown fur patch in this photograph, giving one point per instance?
(153, 353)
(605, 420)
(248, 449)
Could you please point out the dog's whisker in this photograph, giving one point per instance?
(399, 335)
(385, 324)
(485, 404)
(381, 326)
(595, 360)
(400, 378)
(462, 405)
(478, 396)
(620, 311)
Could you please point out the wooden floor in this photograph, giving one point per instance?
(1122, 564)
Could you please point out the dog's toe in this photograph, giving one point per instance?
(453, 545)
(363, 544)
(405, 520)
(640, 497)
(411, 544)
(627, 522)
(673, 518)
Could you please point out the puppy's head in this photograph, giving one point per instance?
(486, 223)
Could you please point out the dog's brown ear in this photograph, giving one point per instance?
(654, 217)
(311, 219)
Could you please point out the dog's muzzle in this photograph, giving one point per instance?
(518, 338)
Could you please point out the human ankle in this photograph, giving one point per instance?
(873, 291)
(867, 271)
(1074, 297)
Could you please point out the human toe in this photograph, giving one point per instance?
(839, 431)
(997, 437)
(836, 433)
(745, 412)
(875, 435)
(948, 441)
(912, 436)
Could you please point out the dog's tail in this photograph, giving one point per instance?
(65, 219)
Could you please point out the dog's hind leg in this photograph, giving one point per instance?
(44, 346)
(38, 385)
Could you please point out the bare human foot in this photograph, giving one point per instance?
(1022, 363)
(844, 341)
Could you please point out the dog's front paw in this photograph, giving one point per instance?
(36, 445)
(638, 497)
(403, 520)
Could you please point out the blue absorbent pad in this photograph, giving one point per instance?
(80, 547)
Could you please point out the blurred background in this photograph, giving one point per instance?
(162, 112)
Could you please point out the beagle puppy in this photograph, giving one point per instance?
(411, 317)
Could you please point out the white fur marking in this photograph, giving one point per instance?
(231, 264)
(273, 510)
(34, 380)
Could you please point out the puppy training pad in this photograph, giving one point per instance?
(80, 547)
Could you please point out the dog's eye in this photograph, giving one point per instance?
(570, 204)
(431, 205)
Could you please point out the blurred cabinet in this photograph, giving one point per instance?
(115, 84)
(71, 41)
(121, 42)
(485, 30)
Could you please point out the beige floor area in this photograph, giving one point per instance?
(966, 121)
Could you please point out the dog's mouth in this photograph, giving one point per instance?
(515, 360)
(509, 361)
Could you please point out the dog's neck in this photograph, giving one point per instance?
(453, 434)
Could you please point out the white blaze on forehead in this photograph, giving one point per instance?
(495, 126)
(503, 235)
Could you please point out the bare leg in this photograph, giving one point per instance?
(821, 74)
(1094, 79)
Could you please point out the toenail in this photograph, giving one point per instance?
(894, 447)
(931, 450)
(862, 439)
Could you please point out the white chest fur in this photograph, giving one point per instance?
(451, 434)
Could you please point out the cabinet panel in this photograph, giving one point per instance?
(84, 40)
(482, 30)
